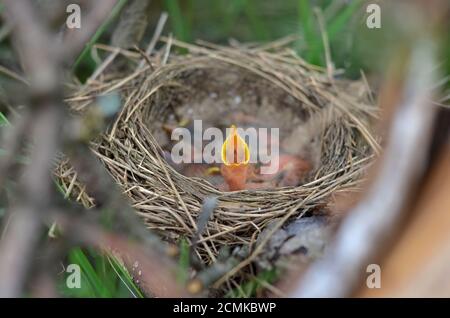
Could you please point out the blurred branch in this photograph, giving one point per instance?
(44, 62)
(372, 222)
(11, 142)
(18, 245)
(33, 44)
(416, 264)
(156, 35)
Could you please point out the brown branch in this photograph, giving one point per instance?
(43, 63)
(371, 223)
(20, 240)
(11, 144)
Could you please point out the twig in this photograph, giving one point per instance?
(209, 275)
(261, 246)
(145, 57)
(104, 65)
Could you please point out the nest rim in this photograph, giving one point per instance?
(170, 202)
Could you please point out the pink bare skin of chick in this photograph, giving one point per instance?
(291, 171)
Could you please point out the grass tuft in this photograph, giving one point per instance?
(101, 276)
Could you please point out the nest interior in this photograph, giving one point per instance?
(323, 118)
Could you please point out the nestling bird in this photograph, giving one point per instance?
(236, 172)
(235, 158)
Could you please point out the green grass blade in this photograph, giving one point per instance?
(77, 256)
(229, 12)
(125, 278)
(101, 276)
(101, 280)
(251, 287)
(177, 20)
(183, 263)
(114, 12)
(103, 270)
(315, 54)
(4, 121)
(305, 15)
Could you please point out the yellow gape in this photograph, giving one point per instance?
(235, 150)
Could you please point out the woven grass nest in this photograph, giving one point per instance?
(332, 124)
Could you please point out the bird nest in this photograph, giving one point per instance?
(323, 118)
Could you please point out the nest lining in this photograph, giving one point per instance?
(168, 201)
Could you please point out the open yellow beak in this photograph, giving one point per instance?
(235, 150)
